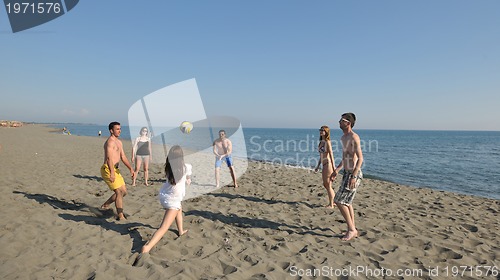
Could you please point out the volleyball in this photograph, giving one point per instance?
(186, 127)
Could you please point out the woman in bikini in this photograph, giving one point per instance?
(327, 162)
(141, 153)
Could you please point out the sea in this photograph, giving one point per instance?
(466, 162)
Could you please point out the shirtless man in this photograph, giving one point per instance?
(352, 159)
(222, 150)
(113, 153)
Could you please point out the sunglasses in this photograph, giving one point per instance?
(144, 131)
(321, 129)
(343, 120)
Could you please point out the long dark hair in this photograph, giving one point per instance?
(174, 166)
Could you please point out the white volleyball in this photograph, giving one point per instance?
(186, 127)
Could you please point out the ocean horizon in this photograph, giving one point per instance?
(445, 160)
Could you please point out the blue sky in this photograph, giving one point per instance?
(396, 64)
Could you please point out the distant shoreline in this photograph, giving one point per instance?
(291, 128)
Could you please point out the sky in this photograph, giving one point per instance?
(418, 65)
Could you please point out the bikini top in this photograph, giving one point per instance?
(322, 149)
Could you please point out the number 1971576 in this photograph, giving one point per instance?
(33, 8)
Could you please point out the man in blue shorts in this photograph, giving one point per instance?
(222, 150)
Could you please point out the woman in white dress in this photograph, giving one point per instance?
(171, 195)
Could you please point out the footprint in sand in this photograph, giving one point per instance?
(471, 228)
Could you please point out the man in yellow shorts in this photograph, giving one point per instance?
(113, 153)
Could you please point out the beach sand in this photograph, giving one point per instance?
(272, 227)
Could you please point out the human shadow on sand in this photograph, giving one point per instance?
(245, 222)
(256, 199)
(123, 228)
(87, 177)
(53, 201)
(98, 217)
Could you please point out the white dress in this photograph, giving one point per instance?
(171, 195)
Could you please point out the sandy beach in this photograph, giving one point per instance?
(272, 227)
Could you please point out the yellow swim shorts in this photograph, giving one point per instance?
(105, 174)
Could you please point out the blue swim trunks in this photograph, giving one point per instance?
(228, 159)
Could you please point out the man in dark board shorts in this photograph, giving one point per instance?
(352, 159)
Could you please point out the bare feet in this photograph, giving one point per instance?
(329, 206)
(105, 206)
(121, 217)
(350, 235)
(181, 234)
(235, 186)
